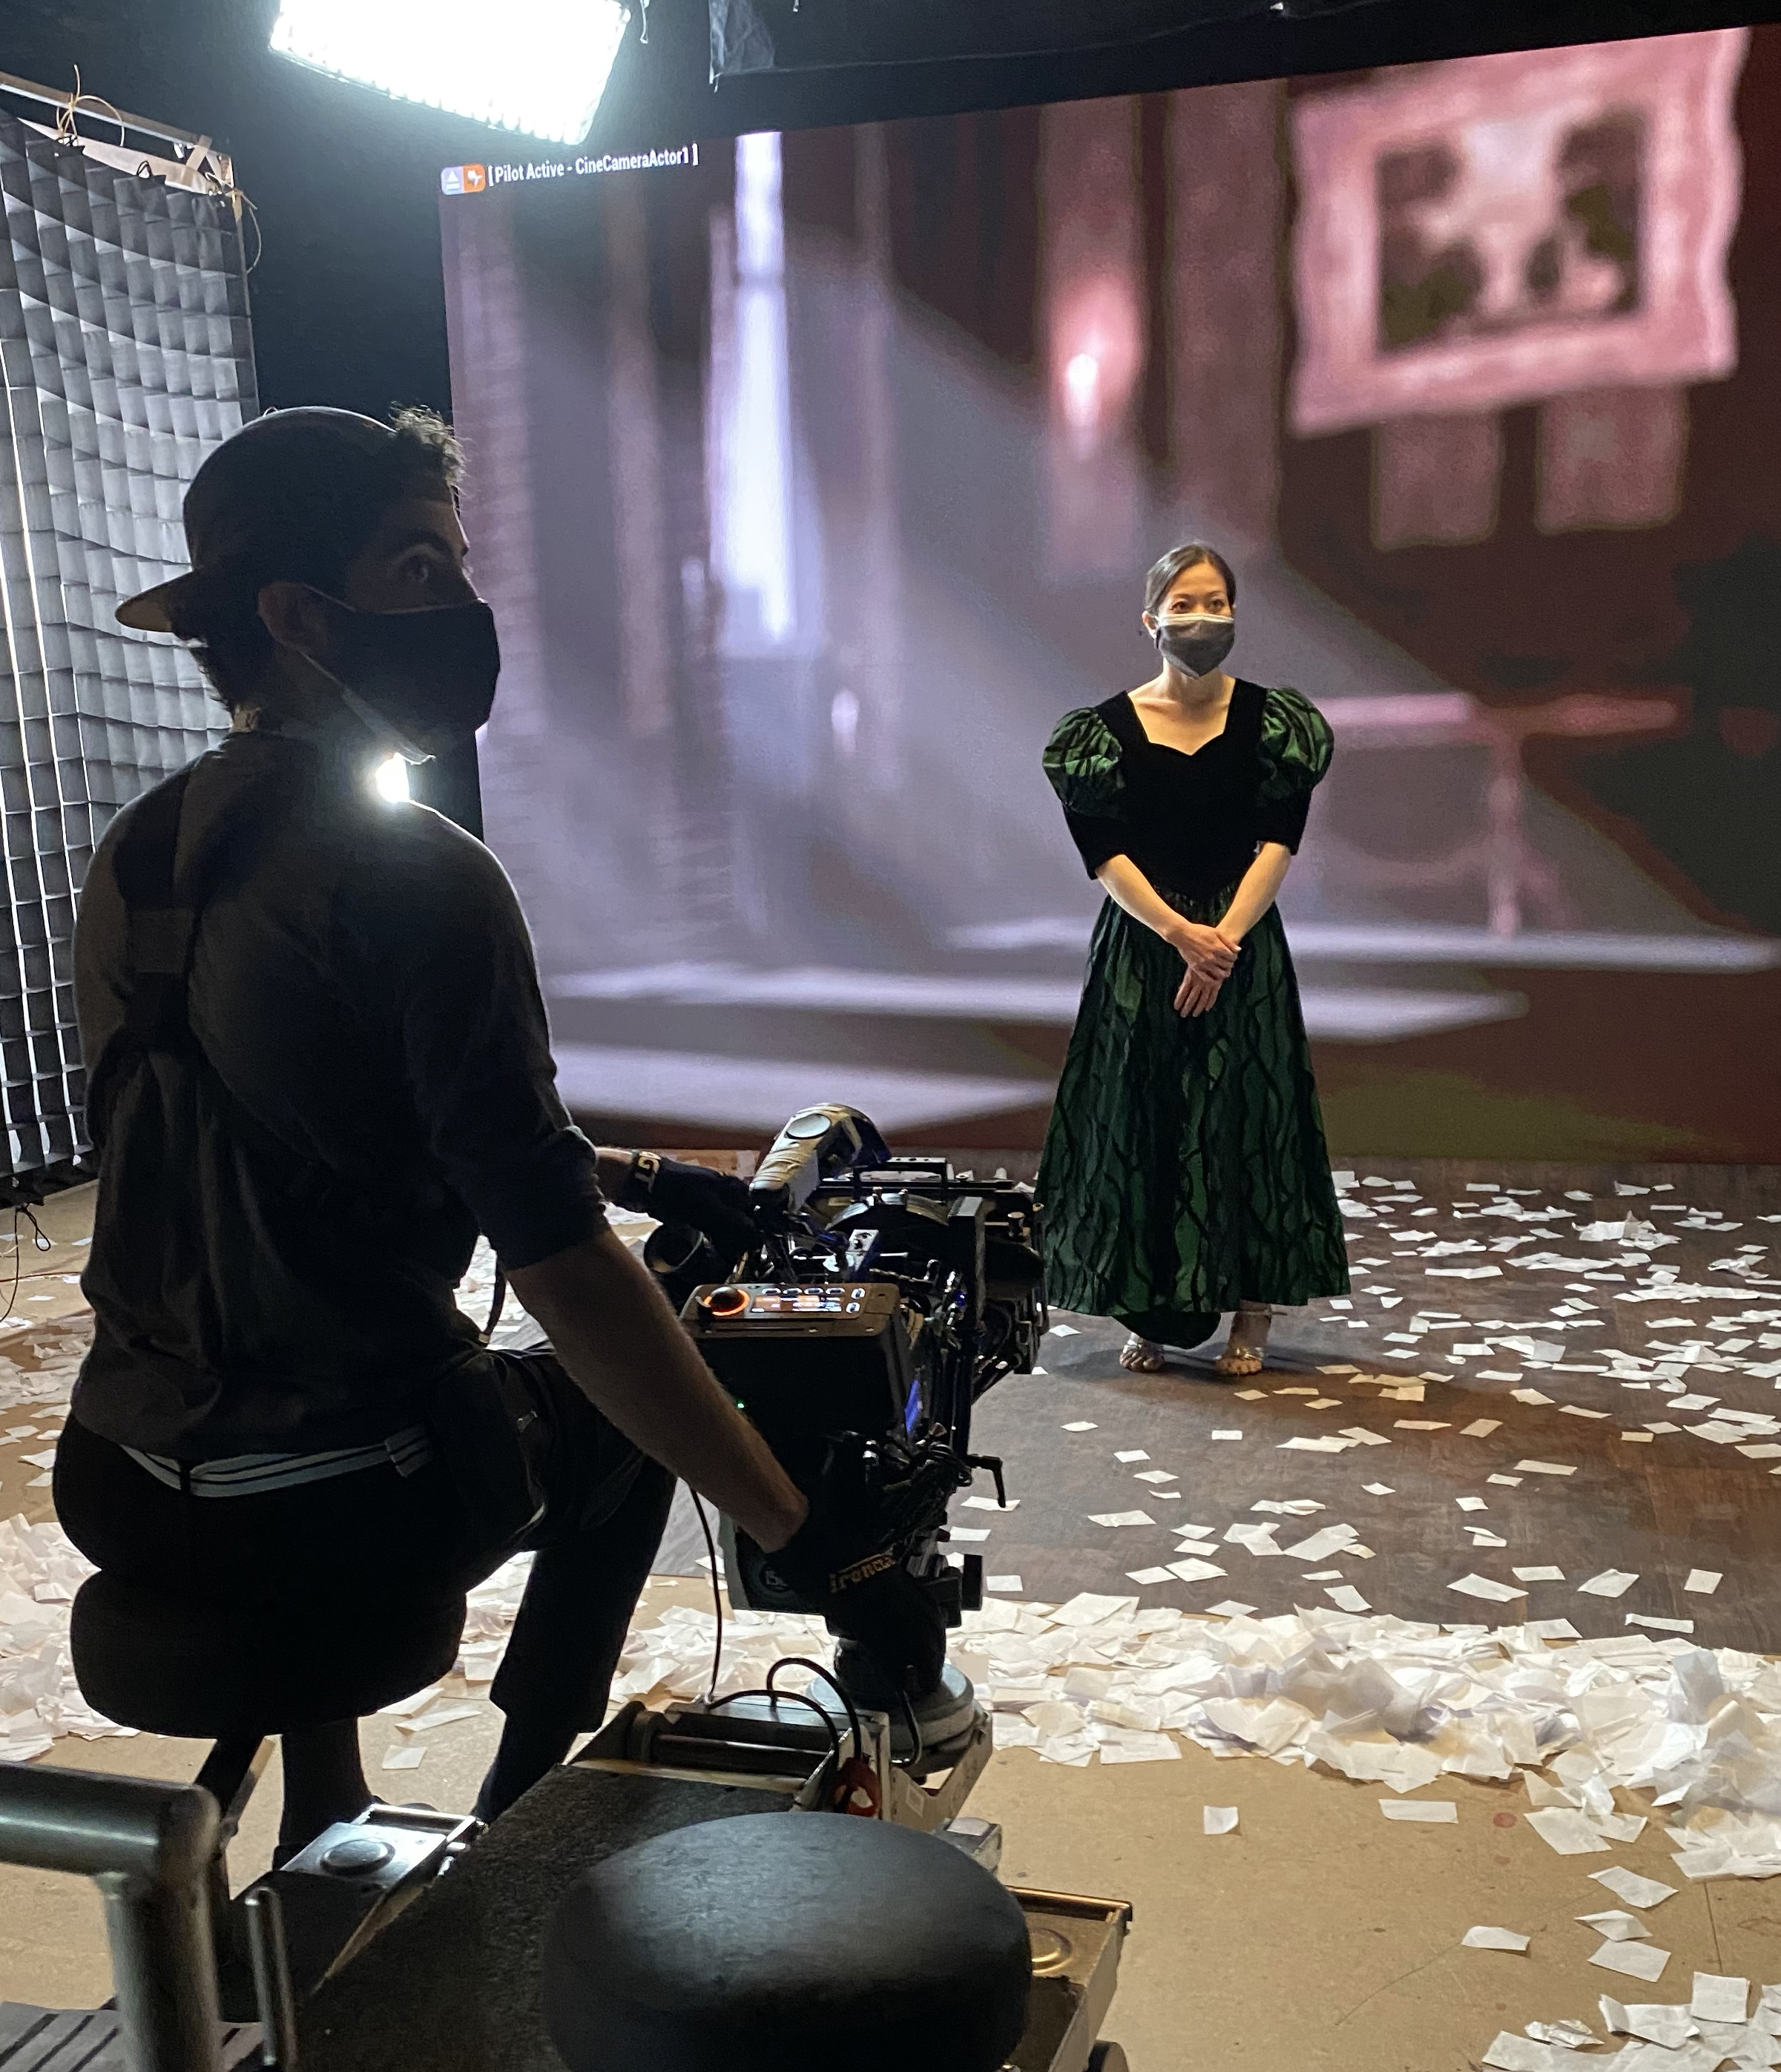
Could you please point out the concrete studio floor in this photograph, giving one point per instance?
(1318, 1936)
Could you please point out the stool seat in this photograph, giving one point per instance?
(785, 1942)
(172, 1665)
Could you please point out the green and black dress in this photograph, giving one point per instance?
(1185, 1167)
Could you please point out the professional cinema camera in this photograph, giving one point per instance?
(624, 1912)
(879, 1299)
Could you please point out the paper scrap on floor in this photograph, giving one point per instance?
(1717, 1998)
(1628, 1886)
(1494, 1939)
(1570, 1832)
(1615, 1927)
(1635, 1960)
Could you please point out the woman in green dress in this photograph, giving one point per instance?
(1184, 1172)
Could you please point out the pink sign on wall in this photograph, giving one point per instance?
(1495, 230)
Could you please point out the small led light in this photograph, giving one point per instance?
(391, 778)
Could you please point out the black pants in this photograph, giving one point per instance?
(360, 1534)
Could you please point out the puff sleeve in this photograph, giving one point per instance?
(1295, 750)
(1082, 761)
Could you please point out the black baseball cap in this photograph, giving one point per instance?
(271, 501)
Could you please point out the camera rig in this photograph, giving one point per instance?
(881, 1298)
(877, 1299)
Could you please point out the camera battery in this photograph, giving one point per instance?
(804, 1362)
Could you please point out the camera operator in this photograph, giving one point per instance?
(319, 1064)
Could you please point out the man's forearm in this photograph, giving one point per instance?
(625, 1349)
(612, 1168)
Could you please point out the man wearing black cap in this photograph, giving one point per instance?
(318, 1065)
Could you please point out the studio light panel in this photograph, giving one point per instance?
(125, 346)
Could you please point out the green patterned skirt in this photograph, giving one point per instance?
(1185, 1167)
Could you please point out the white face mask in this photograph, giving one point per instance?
(1196, 641)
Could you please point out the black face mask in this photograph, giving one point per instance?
(427, 677)
(1197, 642)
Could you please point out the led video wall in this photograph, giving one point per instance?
(125, 344)
(814, 476)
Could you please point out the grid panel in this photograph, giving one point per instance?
(125, 357)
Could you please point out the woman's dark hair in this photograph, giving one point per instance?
(1161, 580)
(221, 619)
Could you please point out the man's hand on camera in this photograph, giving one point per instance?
(674, 1191)
(861, 1586)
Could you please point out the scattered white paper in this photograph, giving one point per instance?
(1082, 1424)
(1226, 1434)
(1615, 1925)
(1194, 1571)
(409, 1758)
(1704, 1581)
(1063, 1331)
(1611, 1583)
(1628, 1886)
(1138, 1453)
(1156, 1475)
(1004, 1585)
(1329, 1539)
(1148, 1576)
(1543, 1468)
(1218, 1819)
(1087, 1609)
(1670, 2026)
(1547, 1574)
(1141, 1748)
(973, 1533)
(1481, 1427)
(1436, 1811)
(1471, 1503)
(1486, 1587)
(1493, 1938)
(1567, 2035)
(1378, 1489)
(441, 1716)
(1510, 2052)
(1120, 1517)
(1346, 1598)
(406, 1708)
(1719, 1999)
(989, 1503)
(1569, 1833)
(1635, 1960)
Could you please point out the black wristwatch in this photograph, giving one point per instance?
(639, 1182)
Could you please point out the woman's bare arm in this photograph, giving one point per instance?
(1203, 948)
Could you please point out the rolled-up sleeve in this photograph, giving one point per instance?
(474, 1045)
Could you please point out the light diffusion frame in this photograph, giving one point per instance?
(126, 354)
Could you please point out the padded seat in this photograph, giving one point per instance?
(173, 1665)
(786, 1942)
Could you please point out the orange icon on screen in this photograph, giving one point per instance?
(476, 180)
(463, 179)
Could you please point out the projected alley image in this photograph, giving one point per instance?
(811, 484)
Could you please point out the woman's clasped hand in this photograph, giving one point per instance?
(1210, 958)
